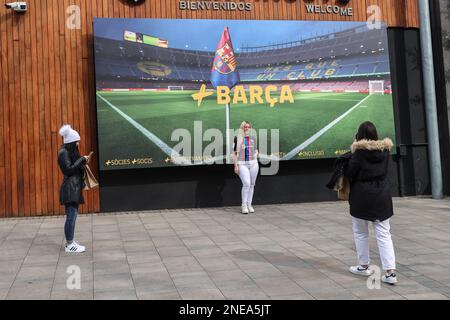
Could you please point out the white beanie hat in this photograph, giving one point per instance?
(69, 134)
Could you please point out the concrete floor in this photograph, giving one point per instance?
(292, 251)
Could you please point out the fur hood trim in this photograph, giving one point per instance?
(372, 145)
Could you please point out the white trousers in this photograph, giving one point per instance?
(384, 241)
(248, 172)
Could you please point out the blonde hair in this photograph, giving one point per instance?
(241, 132)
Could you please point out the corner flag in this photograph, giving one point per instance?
(224, 70)
(224, 73)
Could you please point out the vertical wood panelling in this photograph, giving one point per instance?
(47, 79)
(3, 90)
(41, 203)
(54, 77)
(25, 181)
(412, 14)
(48, 58)
(2, 102)
(15, 105)
(6, 49)
(29, 121)
(385, 12)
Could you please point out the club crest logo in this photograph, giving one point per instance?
(154, 68)
(225, 60)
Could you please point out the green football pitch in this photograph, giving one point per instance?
(135, 128)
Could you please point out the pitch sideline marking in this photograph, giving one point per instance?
(319, 133)
(163, 146)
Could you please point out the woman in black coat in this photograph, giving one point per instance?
(370, 199)
(71, 192)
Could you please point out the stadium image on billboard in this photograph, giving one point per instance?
(148, 72)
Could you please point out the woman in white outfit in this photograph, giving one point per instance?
(245, 158)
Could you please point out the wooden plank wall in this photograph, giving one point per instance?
(47, 79)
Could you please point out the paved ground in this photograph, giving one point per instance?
(295, 251)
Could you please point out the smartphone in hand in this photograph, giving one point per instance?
(88, 157)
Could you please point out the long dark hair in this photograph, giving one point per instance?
(74, 152)
(367, 131)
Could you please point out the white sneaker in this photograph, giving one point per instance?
(75, 248)
(390, 278)
(244, 209)
(250, 208)
(361, 271)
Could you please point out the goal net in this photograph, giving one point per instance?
(376, 87)
(175, 88)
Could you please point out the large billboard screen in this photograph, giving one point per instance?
(304, 85)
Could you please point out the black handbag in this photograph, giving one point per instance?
(338, 181)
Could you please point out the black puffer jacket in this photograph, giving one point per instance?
(370, 192)
(71, 191)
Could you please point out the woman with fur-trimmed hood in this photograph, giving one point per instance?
(370, 199)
